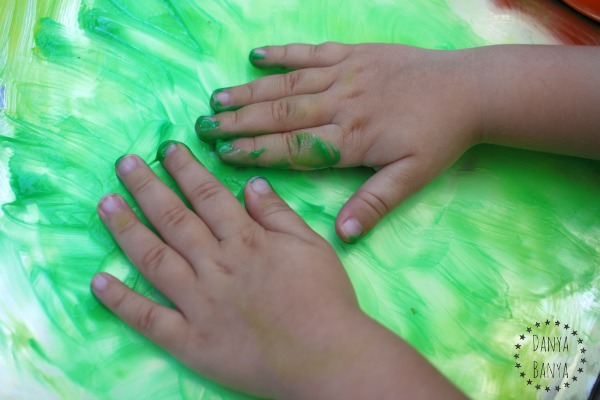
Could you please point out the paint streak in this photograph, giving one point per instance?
(311, 151)
(503, 238)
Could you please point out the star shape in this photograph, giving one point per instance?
(547, 389)
(547, 322)
(516, 356)
(557, 388)
(582, 350)
(529, 381)
(566, 326)
(522, 374)
(537, 324)
(517, 346)
(579, 341)
(580, 370)
(528, 330)
(583, 360)
(537, 387)
(517, 365)
(522, 337)
(566, 384)
(574, 378)
(557, 323)
(574, 333)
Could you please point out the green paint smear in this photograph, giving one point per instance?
(311, 151)
(500, 240)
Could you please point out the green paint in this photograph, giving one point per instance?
(255, 56)
(236, 156)
(217, 106)
(501, 238)
(162, 149)
(311, 151)
(224, 147)
(206, 128)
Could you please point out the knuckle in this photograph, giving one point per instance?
(249, 237)
(376, 203)
(174, 217)
(280, 111)
(250, 91)
(275, 208)
(205, 192)
(147, 317)
(290, 144)
(125, 227)
(181, 166)
(153, 259)
(119, 301)
(315, 52)
(291, 82)
(141, 186)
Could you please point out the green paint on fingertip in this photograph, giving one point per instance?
(313, 152)
(224, 147)
(217, 105)
(165, 147)
(205, 126)
(256, 55)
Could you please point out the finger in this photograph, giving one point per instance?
(281, 115)
(379, 196)
(213, 202)
(162, 325)
(159, 263)
(177, 224)
(273, 87)
(271, 212)
(296, 56)
(307, 149)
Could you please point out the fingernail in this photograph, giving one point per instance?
(224, 147)
(220, 98)
(351, 229)
(205, 124)
(99, 283)
(165, 149)
(110, 204)
(126, 164)
(260, 185)
(257, 55)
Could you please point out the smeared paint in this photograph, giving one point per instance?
(218, 106)
(502, 238)
(314, 152)
(206, 128)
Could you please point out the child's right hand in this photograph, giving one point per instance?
(409, 111)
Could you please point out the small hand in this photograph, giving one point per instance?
(260, 299)
(410, 112)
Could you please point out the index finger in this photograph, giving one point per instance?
(296, 56)
(213, 202)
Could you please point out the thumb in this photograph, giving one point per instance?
(378, 196)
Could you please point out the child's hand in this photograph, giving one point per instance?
(262, 302)
(409, 111)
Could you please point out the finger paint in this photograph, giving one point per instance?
(311, 151)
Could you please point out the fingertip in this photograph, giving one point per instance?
(206, 127)
(165, 149)
(350, 230)
(260, 185)
(100, 283)
(257, 55)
